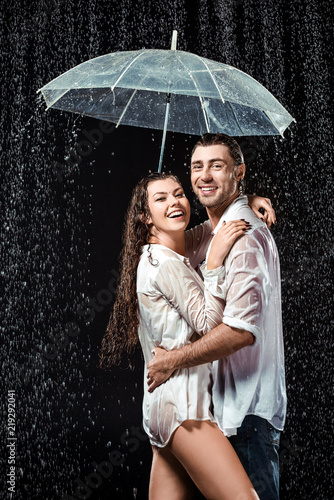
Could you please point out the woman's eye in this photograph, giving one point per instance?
(180, 195)
(159, 199)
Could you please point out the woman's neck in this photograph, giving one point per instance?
(175, 242)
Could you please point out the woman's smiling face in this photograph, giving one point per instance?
(168, 206)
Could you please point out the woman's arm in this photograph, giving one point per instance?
(221, 244)
(198, 238)
(180, 286)
(223, 241)
(200, 306)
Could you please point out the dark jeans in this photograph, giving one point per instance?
(257, 445)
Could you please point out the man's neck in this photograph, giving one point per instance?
(215, 213)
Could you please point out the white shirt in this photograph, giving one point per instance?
(252, 380)
(173, 304)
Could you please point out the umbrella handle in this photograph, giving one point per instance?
(174, 40)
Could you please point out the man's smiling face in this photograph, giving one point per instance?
(214, 175)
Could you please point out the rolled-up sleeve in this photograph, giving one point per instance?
(248, 286)
(215, 281)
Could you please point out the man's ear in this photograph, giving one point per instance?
(240, 172)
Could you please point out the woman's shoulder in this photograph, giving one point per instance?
(159, 254)
(157, 262)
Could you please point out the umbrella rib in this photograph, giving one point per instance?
(273, 122)
(210, 73)
(67, 90)
(126, 107)
(129, 102)
(198, 92)
(126, 69)
(236, 119)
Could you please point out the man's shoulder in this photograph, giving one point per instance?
(197, 240)
(257, 241)
(202, 230)
(243, 211)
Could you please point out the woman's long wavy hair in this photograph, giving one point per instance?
(122, 332)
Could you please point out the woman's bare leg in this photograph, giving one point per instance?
(169, 480)
(211, 462)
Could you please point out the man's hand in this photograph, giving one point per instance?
(158, 369)
(222, 341)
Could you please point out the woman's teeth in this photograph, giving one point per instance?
(175, 214)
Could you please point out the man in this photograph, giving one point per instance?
(249, 395)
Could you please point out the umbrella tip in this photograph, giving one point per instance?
(174, 40)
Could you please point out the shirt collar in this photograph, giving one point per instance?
(156, 247)
(227, 215)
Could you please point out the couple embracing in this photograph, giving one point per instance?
(205, 305)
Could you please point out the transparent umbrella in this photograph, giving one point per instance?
(169, 90)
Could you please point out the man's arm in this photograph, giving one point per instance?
(248, 291)
(218, 343)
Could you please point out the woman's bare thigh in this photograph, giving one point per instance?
(169, 480)
(210, 460)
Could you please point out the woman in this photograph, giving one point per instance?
(159, 283)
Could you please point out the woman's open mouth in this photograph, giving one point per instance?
(175, 214)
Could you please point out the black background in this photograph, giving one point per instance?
(62, 208)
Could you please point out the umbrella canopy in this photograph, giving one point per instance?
(130, 88)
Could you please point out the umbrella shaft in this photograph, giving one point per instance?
(164, 133)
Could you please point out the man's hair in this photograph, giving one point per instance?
(222, 139)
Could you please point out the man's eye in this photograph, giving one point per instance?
(196, 167)
(216, 165)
